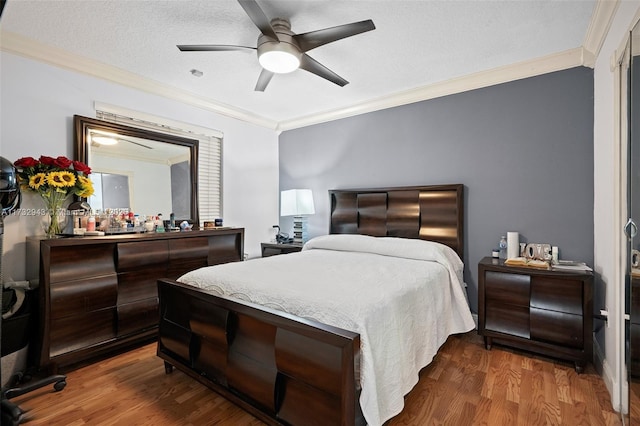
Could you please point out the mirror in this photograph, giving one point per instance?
(630, 128)
(139, 170)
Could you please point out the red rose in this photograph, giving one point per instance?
(47, 161)
(62, 162)
(79, 166)
(25, 162)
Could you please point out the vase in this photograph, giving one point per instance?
(55, 220)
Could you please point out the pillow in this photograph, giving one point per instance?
(407, 248)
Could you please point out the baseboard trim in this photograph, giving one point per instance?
(604, 370)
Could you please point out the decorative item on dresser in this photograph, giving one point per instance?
(99, 294)
(55, 180)
(274, 249)
(286, 369)
(543, 311)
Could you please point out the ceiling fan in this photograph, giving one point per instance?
(282, 51)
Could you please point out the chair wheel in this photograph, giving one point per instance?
(58, 386)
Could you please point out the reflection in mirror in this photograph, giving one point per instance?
(146, 172)
(111, 191)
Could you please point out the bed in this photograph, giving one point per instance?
(337, 333)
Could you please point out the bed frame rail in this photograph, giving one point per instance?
(279, 367)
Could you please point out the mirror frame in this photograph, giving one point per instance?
(81, 153)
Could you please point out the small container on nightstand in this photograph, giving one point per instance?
(274, 249)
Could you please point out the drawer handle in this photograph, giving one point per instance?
(630, 228)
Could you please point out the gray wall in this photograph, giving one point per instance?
(523, 150)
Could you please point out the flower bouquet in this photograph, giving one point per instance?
(54, 179)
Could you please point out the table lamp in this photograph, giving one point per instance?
(297, 203)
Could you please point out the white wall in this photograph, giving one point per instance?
(606, 169)
(37, 104)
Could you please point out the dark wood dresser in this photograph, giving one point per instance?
(99, 294)
(547, 312)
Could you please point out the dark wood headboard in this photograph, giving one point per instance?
(434, 213)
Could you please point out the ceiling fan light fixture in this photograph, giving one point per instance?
(279, 62)
(104, 140)
(278, 57)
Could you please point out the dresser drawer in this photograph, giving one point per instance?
(557, 327)
(507, 319)
(557, 294)
(139, 285)
(134, 255)
(136, 316)
(79, 297)
(81, 331)
(78, 262)
(509, 289)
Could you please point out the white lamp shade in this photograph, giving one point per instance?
(296, 202)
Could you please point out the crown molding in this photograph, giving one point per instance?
(22, 46)
(601, 18)
(556, 62)
(16, 44)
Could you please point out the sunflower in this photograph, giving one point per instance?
(37, 180)
(68, 177)
(86, 187)
(61, 179)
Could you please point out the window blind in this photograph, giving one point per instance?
(209, 157)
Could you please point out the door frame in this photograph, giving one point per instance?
(621, 252)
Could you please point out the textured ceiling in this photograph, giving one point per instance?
(415, 44)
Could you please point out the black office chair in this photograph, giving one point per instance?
(17, 326)
(16, 330)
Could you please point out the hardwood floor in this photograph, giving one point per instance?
(464, 385)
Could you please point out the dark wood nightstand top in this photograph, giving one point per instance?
(498, 265)
(273, 249)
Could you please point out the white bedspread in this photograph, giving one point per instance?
(404, 297)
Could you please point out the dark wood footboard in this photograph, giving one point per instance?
(281, 368)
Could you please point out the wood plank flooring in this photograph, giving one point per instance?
(464, 385)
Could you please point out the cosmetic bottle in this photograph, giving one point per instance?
(159, 223)
(91, 223)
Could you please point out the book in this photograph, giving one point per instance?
(571, 265)
(527, 263)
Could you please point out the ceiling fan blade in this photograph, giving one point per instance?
(211, 47)
(263, 80)
(313, 39)
(258, 17)
(307, 63)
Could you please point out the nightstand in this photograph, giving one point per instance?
(273, 249)
(547, 312)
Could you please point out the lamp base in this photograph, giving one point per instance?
(300, 235)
